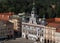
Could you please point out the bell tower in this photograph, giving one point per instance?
(32, 18)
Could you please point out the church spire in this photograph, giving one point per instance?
(33, 5)
(33, 9)
(33, 19)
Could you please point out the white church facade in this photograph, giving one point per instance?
(32, 30)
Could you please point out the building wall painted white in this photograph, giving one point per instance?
(57, 37)
(50, 33)
(33, 31)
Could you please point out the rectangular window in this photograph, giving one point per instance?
(33, 32)
(41, 34)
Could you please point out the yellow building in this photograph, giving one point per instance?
(17, 24)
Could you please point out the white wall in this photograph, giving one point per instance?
(57, 37)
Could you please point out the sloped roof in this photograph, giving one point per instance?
(54, 22)
(5, 16)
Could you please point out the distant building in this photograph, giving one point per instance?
(3, 30)
(10, 29)
(6, 29)
(50, 34)
(53, 30)
(16, 20)
(5, 16)
(31, 29)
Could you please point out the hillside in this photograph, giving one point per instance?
(42, 7)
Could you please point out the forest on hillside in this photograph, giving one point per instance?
(51, 8)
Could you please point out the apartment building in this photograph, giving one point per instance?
(16, 20)
(52, 30)
(6, 29)
(10, 29)
(57, 37)
(50, 34)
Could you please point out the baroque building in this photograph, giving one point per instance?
(31, 30)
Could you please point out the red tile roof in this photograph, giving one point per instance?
(57, 19)
(5, 16)
(54, 22)
(50, 20)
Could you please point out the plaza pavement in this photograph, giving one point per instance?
(20, 40)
